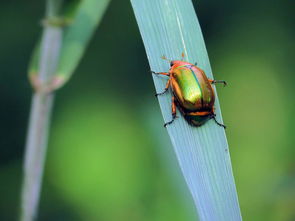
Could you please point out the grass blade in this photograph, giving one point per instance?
(77, 36)
(170, 27)
(53, 61)
(81, 19)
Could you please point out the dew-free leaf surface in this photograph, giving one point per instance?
(170, 27)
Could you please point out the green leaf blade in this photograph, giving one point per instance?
(169, 28)
(82, 18)
(78, 34)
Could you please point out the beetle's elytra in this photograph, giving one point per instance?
(192, 91)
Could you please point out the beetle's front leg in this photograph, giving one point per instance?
(173, 112)
(160, 73)
(217, 81)
(166, 88)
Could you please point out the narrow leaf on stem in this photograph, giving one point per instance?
(170, 28)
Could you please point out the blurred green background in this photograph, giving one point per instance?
(109, 157)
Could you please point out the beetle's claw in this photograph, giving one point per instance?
(170, 122)
(222, 125)
(218, 81)
(161, 93)
(153, 72)
(165, 125)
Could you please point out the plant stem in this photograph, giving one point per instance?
(35, 154)
(42, 102)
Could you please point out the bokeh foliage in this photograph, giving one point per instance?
(105, 157)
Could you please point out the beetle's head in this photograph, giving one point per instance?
(175, 62)
(172, 63)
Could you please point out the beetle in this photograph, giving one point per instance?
(192, 92)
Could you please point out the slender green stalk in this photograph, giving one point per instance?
(56, 49)
(35, 154)
(42, 102)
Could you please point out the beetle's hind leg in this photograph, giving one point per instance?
(173, 112)
(166, 88)
(220, 124)
(218, 81)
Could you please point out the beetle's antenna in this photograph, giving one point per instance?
(164, 57)
(182, 56)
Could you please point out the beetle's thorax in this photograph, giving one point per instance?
(178, 63)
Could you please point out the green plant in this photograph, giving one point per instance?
(67, 30)
(170, 28)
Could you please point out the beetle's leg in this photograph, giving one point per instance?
(173, 112)
(204, 113)
(166, 88)
(217, 81)
(161, 73)
(214, 118)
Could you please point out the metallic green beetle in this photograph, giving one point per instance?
(193, 93)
